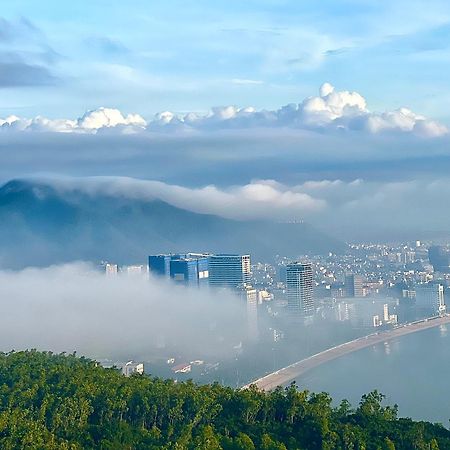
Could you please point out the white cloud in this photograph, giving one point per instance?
(257, 200)
(330, 111)
(108, 117)
(90, 122)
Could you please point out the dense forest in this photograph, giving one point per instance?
(52, 401)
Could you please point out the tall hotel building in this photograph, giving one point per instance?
(299, 289)
(229, 271)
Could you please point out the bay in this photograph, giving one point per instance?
(412, 371)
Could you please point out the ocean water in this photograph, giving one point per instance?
(412, 371)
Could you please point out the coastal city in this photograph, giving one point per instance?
(317, 301)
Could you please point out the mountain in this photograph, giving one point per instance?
(40, 225)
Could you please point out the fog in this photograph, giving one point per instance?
(74, 307)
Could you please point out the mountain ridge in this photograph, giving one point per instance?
(49, 226)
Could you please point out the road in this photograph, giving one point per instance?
(290, 373)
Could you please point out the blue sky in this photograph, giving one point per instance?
(370, 146)
(145, 57)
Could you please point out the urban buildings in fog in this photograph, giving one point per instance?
(189, 269)
(299, 289)
(250, 295)
(439, 258)
(372, 285)
(111, 269)
(220, 271)
(354, 285)
(430, 298)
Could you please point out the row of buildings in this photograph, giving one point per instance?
(233, 272)
(199, 269)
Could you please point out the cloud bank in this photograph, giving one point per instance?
(330, 111)
(90, 122)
(256, 200)
(352, 210)
(76, 308)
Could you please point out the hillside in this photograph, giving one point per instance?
(41, 225)
(64, 402)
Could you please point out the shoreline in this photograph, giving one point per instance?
(289, 373)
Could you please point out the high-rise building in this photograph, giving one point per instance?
(439, 258)
(160, 265)
(250, 296)
(229, 271)
(430, 298)
(354, 285)
(299, 289)
(202, 267)
(190, 269)
(184, 271)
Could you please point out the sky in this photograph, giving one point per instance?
(335, 111)
(62, 58)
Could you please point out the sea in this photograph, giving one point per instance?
(412, 371)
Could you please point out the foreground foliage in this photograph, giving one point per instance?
(63, 402)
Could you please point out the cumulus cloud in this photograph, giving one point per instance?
(108, 117)
(91, 121)
(76, 308)
(330, 111)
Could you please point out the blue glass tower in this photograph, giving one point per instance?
(160, 265)
(184, 271)
(191, 269)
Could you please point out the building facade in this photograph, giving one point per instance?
(229, 271)
(189, 269)
(299, 289)
(354, 285)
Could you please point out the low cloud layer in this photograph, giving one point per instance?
(75, 308)
(256, 200)
(352, 210)
(330, 111)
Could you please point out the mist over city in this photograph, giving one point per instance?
(224, 225)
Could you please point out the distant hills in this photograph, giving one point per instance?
(41, 225)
